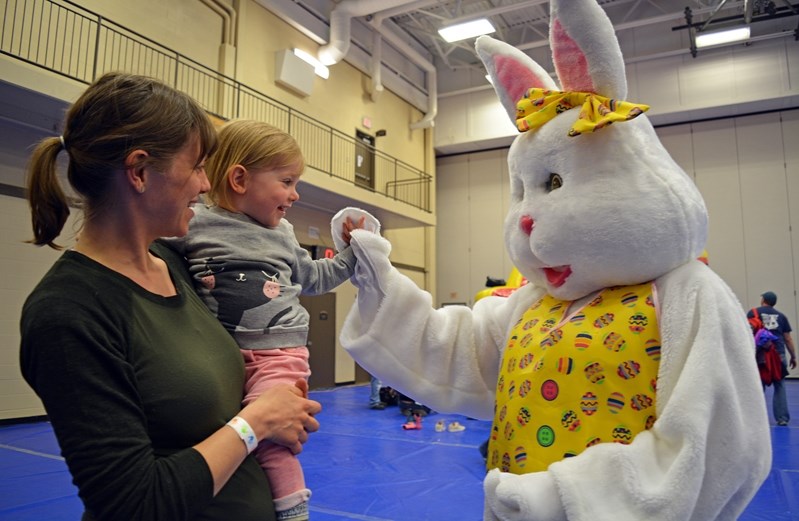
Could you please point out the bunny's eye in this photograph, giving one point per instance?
(554, 182)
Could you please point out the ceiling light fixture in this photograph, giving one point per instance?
(461, 31)
(733, 34)
(320, 70)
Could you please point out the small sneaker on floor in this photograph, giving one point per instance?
(782, 423)
(379, 406)
(455, 427)
(413, 423)
(440, 426)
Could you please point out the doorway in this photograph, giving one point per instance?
(321, 339)
(364, 160)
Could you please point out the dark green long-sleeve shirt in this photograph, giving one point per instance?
(130, 381)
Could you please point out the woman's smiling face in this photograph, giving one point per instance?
(176, 190)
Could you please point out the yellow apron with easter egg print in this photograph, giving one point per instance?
(568, 382)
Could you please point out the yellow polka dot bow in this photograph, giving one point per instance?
(541, 105)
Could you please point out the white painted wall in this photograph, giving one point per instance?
(728, 81)
(473, 198)
(21, 265)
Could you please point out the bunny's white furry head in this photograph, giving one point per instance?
(599, 209)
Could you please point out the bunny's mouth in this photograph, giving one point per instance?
(557, 276)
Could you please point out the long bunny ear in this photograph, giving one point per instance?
(512, 72)
(585, 50)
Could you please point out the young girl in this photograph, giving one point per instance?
(250, 271)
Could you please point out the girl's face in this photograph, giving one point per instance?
(269, 193)
(176, 190)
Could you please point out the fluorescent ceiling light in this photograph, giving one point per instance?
(458, 32)
(719, 37)
(318, 68)
(488, 78)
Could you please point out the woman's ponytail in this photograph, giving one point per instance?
(48, 204)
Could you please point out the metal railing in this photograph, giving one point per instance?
(66, 39)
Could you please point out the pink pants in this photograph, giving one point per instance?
(264, 369)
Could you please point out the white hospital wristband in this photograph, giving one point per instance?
(245, 432)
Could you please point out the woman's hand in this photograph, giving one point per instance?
(284, 415)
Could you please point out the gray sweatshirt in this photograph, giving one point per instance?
(251, 276)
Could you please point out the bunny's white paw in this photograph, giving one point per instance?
(370, 224)
(529, 497)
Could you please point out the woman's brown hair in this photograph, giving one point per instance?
(116, 115)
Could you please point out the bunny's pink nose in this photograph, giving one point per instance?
(527, 224)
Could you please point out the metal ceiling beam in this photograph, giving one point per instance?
(628, 25)
(495, 11)
(715, 10)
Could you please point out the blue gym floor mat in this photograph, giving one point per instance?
(363, 466)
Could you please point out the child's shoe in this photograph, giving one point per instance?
(415, 424)
(293, 507)
(456, 427)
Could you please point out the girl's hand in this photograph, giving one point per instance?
(350, 225)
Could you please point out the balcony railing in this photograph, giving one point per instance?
(66, 39)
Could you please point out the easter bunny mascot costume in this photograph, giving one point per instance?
(621, 380)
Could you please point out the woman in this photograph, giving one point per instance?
(142, 385)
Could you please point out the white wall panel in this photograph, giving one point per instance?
(21, 267)
(791, 72)
(486, 175)
(764, 72)
(764, 203)
(678, 142)
(790, 147)
(716, 168)
(660, 91)
(723, 82)
(473, 198)
(454, 220)
(476, 117)
(706, 81)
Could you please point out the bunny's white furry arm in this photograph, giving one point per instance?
(707, 453)
(446, 358)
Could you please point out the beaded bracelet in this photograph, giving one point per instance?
(245, 432)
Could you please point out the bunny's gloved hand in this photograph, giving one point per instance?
(372, 271)
(527, 497)
(348, 220)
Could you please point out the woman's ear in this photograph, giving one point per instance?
(237, 178)
(136, 170)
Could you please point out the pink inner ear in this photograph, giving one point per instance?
(569, 61)
(515, 78)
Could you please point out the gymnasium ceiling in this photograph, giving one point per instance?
(524, 23)
(645, 28)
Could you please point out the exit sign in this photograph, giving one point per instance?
(323, 252)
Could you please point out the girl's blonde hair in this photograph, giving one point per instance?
(255, 146)
(114, 116)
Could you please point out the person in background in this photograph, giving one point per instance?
(778, 324)
(374, 395)
(142, 385)
(250, 270)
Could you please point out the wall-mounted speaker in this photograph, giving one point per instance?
(293, 73)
